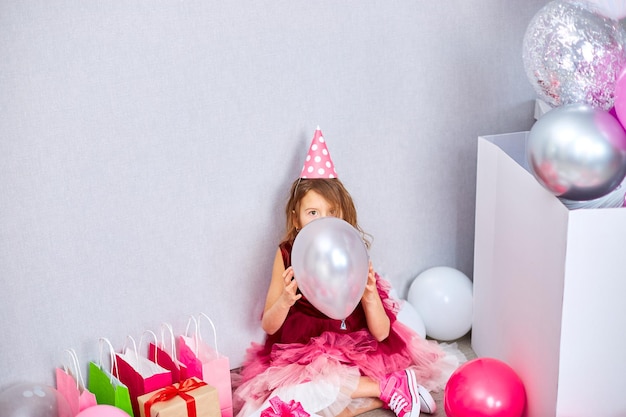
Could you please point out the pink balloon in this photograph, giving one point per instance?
(330, 264)
(619, 105)
(484, 387)
(102, 410)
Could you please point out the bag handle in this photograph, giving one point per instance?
(196, 336)
(111, 355)
(168, 326)
(156, 342)
(78, 376)
(126, 350)
(212, 326)
(195, 321)
(81, 380)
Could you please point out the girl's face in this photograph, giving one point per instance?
(313, 206)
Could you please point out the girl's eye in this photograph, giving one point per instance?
(313, 213)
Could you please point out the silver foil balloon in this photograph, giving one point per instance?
(577, 152)
(614, 199)
(573, 55)
(330, 264)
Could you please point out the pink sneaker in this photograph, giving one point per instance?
(427, 402)
(399, 391)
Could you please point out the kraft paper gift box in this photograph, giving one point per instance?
(189, 398)
(549, 287)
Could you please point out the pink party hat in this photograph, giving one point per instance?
(318, 163)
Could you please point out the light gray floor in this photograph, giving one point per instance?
(465, 346)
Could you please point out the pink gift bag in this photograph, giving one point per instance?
(140, 374)
(165, 354)
(206, 363)
(71, 385)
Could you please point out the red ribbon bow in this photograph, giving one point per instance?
(279, 408)
(172, 391)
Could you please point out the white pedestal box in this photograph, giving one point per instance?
(549, 288)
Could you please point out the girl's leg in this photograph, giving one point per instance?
(367, 388)
(401, 385)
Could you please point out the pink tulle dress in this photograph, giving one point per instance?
(314, 360)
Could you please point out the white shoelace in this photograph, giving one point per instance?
(397, 403)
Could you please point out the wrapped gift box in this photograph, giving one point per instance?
(173, 401)
(549, 288)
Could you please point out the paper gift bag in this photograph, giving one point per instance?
(70, 384)
(140, 374)
(105, 386)
(165, 355)
(189, 398)
(205, 362)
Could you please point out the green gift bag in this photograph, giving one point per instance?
(105, 386)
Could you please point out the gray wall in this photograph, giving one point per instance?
(146, 149)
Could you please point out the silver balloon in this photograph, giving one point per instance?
(330, 264)
(573, 55)
(614, 199)
(577, 152)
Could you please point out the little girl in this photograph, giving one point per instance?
(371, 361)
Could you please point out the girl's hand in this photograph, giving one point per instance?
(281, 295)
(290, 294)
(378, 322)
(370, 295)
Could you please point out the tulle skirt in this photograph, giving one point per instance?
(323, 374)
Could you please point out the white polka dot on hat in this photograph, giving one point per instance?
(318, 163)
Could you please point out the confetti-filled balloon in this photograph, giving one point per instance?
(615, 9)
(577, 152)
(573, 55)
(33, 400)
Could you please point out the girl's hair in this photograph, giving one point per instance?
(333, 191)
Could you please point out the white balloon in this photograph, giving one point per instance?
(443, 297)
(409, 316)
(394, 294)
